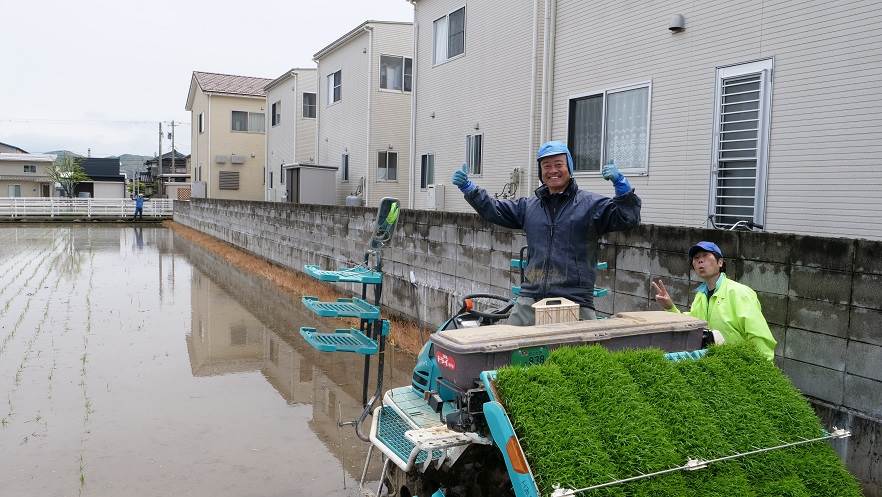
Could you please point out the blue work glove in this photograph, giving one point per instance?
(461, 179)
(611, 173)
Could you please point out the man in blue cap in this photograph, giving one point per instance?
(562, 224)
(728, 307)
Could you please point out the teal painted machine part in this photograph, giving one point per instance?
(342, 308)
(355, 274)
(501, 430)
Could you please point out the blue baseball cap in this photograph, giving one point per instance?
(705, 247)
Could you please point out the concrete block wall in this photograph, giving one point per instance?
(822, 297)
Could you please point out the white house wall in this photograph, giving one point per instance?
(390, 114)
(343, 125)
(280, 139)
(824, 154)
(489, 86)
(305, 132)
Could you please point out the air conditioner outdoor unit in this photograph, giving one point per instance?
(436, 196)
(237, 159)
(220, 159)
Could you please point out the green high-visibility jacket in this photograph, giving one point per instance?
(734, 311)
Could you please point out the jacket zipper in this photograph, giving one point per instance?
(553, 223)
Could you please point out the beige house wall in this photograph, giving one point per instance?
(31, 183)
(226, 142)
(200, 162)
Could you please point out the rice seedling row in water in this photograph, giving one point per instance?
(29, 348)
(648, 414)
(87, 402)
(9, 336)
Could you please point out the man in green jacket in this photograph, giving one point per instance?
(728, 307)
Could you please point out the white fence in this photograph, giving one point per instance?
(118, 208)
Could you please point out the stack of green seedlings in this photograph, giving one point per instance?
(589, 416)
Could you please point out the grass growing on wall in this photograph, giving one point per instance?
(588, 416)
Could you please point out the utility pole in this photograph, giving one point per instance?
(159, 157)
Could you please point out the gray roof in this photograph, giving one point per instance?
(211, 82)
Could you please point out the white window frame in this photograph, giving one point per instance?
(314, 105)
(423, 174)
(404, 60)
(29, 168)
(631, 171)
(436, 61)
(765, 68)
(248, 117)
(331, 87)
(201, 123)
(276, 109)
(386, 166)
(469, 155)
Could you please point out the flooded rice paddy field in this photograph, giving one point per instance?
(133, 362)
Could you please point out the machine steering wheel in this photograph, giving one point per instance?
(496, 315)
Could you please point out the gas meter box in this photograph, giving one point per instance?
(462, 354)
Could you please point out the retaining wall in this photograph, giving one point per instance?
(821, 296)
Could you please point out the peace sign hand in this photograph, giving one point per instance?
(661, 294)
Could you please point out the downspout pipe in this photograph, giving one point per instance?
(533, 74)
(267, 126)
(548, 69)
(411, 201)
(367, 163)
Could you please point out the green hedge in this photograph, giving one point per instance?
(588, 416)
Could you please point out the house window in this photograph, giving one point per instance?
(251, 122)
(201, 123)
(282, 173)
(270, 179)
(309, 105)
(742, 111)
(387, 166)
(335, 87)
(449, 34)
(344, 167)
(474, 153)
(228, 180)
(30, 169)
(277, 112)
(427, 170)
(612, 125)
(396, 73)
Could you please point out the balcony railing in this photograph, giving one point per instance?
(61, 207)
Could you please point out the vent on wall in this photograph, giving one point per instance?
(220, 159)
(237, 159)
(228, 180)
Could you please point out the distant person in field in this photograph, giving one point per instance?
(728, 307)
(139, 207)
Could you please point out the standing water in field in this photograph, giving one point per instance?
(135, 363)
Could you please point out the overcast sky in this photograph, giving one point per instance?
(101, 74)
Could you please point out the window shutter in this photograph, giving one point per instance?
(739, 170)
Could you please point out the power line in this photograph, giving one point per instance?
(112, 121)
